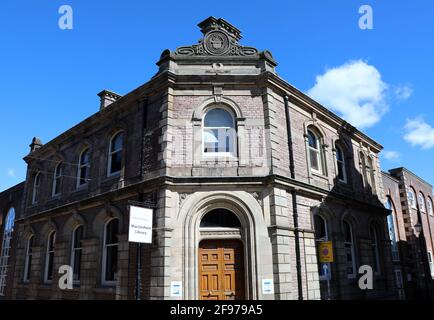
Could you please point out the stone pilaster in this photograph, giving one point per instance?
(90, 263)
(123, 260)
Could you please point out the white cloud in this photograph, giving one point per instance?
(391, 155)
(355, 91)
(11, 173)
(403, 92)
(419, 133)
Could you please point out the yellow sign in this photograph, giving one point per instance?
(325, 251)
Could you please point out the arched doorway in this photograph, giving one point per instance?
(221, 258)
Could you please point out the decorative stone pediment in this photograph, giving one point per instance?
(220, 39)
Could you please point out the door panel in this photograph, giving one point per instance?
(221, 270)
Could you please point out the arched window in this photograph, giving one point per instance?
(421, 200)
(321, 235)
(412, 198)
(49, 257)
(76, 251)
(373, 235)
(36, 188)
(83, 168)
(341, 165)
(321, 232)
(349, 250)
(110, 253)
(314, 145)
(28, 261)
(115, 154)
(219, 134)
(370, 174)
(57, 180)
(430, 206)
(6, 247)
(220, 218)
(363, 169)
(391, 228)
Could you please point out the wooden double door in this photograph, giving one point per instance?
(221, 270)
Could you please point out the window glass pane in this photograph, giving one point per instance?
(112, 231)
(347, 232)
(83, 175)
(116, 163)
(313, 142)
(320, 228)
(77, 263)
(314, 159)
(111, 263)
(341, 174)
(339, 154)
(220, 218)
(218, 118)
(84, 158)
(78, 236)
(117, 142)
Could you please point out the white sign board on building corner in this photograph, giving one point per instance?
(140, 229)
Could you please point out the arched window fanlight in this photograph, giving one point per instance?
(220, 218)
(219, 134)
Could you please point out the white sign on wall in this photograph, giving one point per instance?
(176, 289)
(267, 286)
(140, 225)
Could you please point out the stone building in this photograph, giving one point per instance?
(245, 173)
(411, 200)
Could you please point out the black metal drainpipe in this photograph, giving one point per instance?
(294, 201)
(144, 106)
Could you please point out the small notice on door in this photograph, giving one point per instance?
(267, 286)
(176, 289)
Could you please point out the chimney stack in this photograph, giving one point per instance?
(107, 98)
(35, 145)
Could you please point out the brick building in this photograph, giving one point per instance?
(411, 200)
(246, 175)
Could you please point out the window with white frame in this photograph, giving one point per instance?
(392, 232)
(421, 200)
(314, 145)
(430, 206)
(36, 188)
(115, 154)
(28, 261)
(373, 234)
(83, 168)
(349, 250)
(321, 235)
(219, 134)
(412, 198)
(341, 165)
(57, 178)
(49, 257)
(76, 251)
(110, 253)
(6, 248)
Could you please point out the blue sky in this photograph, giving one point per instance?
(49, 77)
